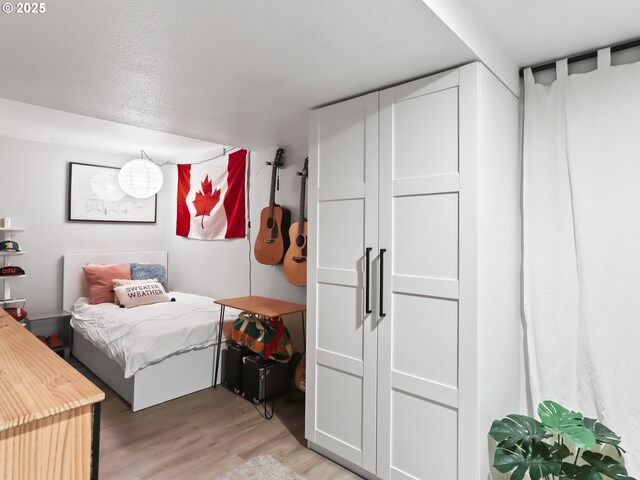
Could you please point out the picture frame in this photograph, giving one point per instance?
(94, 195)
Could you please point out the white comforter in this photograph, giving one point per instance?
(139, 336)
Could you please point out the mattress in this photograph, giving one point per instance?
(144, 335)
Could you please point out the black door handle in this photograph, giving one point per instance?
(366, 293)
(382, 314)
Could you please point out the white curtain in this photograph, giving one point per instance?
(581, 204)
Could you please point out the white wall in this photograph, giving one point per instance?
(221, 268)
(269, 281)
(33, 192)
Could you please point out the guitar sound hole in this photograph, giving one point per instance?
(300, 241)
(270, 223)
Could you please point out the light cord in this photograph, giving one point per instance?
(225, 151)
(248, 172)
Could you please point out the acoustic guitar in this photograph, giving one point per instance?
(295, 260)
(273, 236)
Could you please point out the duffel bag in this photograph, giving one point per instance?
(266, 337)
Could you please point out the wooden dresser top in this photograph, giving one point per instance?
(34, 381)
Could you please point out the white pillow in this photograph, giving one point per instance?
(119, 282)
(141, 294)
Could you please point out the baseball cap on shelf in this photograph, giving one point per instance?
(17, 313)
(10, 270)
(9, 246)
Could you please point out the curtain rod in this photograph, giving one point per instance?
(583, 56)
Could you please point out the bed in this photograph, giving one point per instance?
(184, 371)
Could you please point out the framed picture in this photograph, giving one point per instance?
(96, 196)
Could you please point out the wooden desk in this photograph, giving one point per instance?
(47, 409)
(267, 307)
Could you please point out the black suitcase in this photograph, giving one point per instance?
(233, 367)
(263, 379)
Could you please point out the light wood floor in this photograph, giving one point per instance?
(204, 435)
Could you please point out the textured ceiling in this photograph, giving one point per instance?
(246, 72)
(230, 72)
(41, 124)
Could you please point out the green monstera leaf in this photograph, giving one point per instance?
(506, 460)
(526, 446)
(555, 417)
(606, 465)
(514, 429)
(602, 433)
(582, 472)
(559, 452)
(538, 461)
(567, 423)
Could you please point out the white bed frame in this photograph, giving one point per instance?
(171, 378)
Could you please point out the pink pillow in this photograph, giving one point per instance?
(99, 278)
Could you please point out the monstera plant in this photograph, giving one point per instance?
(559, 446)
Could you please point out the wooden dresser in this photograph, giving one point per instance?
(47, 411)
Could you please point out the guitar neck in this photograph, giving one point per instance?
(272, 197)
(301, 209)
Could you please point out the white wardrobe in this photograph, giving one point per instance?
(414, 331)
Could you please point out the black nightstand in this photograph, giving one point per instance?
(56, 323)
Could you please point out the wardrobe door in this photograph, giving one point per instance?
(343, 225)
(418, 318)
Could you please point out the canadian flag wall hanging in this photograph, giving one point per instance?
(212, 198)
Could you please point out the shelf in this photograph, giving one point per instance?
(6, 260)
(61, 314)
(11, 301)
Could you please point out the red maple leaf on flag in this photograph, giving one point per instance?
(206, 200)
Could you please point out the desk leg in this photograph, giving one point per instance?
(217, 359)
(95, 441)
(67, 337)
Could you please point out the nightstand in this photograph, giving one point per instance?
(56, 323)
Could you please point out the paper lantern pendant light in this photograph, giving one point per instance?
(140, 178)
